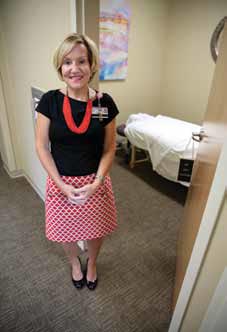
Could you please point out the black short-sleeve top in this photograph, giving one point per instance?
(75, 154)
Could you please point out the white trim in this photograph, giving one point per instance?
(9, 152)
(83, 16)
(206, 229)
(73, 22)
(215, 318)
(192, 273)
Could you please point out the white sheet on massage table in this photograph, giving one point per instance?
(166, 139)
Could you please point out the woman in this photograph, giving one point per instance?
(75, 142)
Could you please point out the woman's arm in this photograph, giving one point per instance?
(42, 149)
(108, 151)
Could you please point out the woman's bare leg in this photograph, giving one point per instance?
(93, 251)
(72, 251)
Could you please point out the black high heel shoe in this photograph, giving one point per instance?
(78, 283)
(90, 284)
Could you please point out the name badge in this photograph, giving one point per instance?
(100, 113)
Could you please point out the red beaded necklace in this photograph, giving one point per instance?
(67, 111)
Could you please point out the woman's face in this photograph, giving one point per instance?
(76, 69)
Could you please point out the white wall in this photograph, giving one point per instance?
(31, 31)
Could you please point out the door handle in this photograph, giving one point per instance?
(199, 136)
(214, 38)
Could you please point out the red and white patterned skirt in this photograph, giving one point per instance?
(67, 222)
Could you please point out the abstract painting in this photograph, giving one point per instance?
(114, 23)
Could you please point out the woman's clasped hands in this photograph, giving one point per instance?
(79, 195)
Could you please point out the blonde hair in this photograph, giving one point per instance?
(67, 45)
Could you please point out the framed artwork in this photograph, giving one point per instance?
(114, 21)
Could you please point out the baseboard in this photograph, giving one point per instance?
(21, 173)
(37, 190)
(13, 174)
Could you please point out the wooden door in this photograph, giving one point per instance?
(215, 129)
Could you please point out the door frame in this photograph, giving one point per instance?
(73, 21)
(7, 153)
(207, 226)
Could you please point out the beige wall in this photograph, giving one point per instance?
(31, 32)
(169, 65)
(140, 92)
(188, 67)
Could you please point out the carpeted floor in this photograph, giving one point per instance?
(136, 265)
